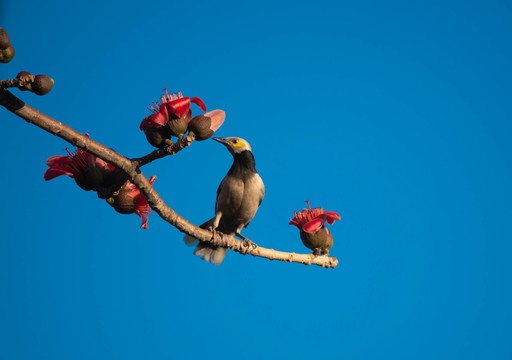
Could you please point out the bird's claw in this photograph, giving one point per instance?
(248, 243)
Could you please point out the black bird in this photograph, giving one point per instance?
(238, 198)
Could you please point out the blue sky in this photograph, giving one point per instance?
(394, 114)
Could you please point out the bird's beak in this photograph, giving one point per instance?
(221, 140)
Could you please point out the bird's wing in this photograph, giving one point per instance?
(258, 188)
(229, 195)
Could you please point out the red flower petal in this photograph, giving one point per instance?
(199, 103)
(313, 226)
(331, 216)
(217, 117)
(144, 218)
(159, 119)
(154, 120)
(57, 160)
(294, 222)
(52, 173)
(145, 124)
(179, 106)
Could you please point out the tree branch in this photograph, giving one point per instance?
(131, 168)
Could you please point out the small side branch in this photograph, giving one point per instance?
(172, 149)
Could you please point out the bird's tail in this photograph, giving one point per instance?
(204, 250)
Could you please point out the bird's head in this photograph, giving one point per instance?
(235, 145)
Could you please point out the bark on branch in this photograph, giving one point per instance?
(132, 169)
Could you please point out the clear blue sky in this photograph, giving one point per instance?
(395, 114)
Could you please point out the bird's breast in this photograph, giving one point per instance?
(239, 199)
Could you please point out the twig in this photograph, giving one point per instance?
(172, 149)
(131, 168)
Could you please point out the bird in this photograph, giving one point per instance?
(239, 196)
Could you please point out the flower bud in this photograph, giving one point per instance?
(157, 136)
(115, 179)
(203, 126)
(92, 178)
(6, 55)
(42, 84)
(4, 39)
(23, 74)
(124, 203)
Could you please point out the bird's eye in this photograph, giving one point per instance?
(235, 141)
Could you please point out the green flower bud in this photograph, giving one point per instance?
(6, 55)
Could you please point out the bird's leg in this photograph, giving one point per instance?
(246, 241)
(325, 252)
(317, 251)
(214, 231)
(213, 227)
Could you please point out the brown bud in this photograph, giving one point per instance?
(124, 203)
(115, 179)
(178, 125)
(42, 84)
(6, 55)
(4, 39)
(200, 126)
(157, 136)
(92, 178)
(23, 74)
(203, 126)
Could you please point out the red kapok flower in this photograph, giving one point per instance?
(130, 201)
(169, 104)
(313, 232)
(88, 171)
(310, 220)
